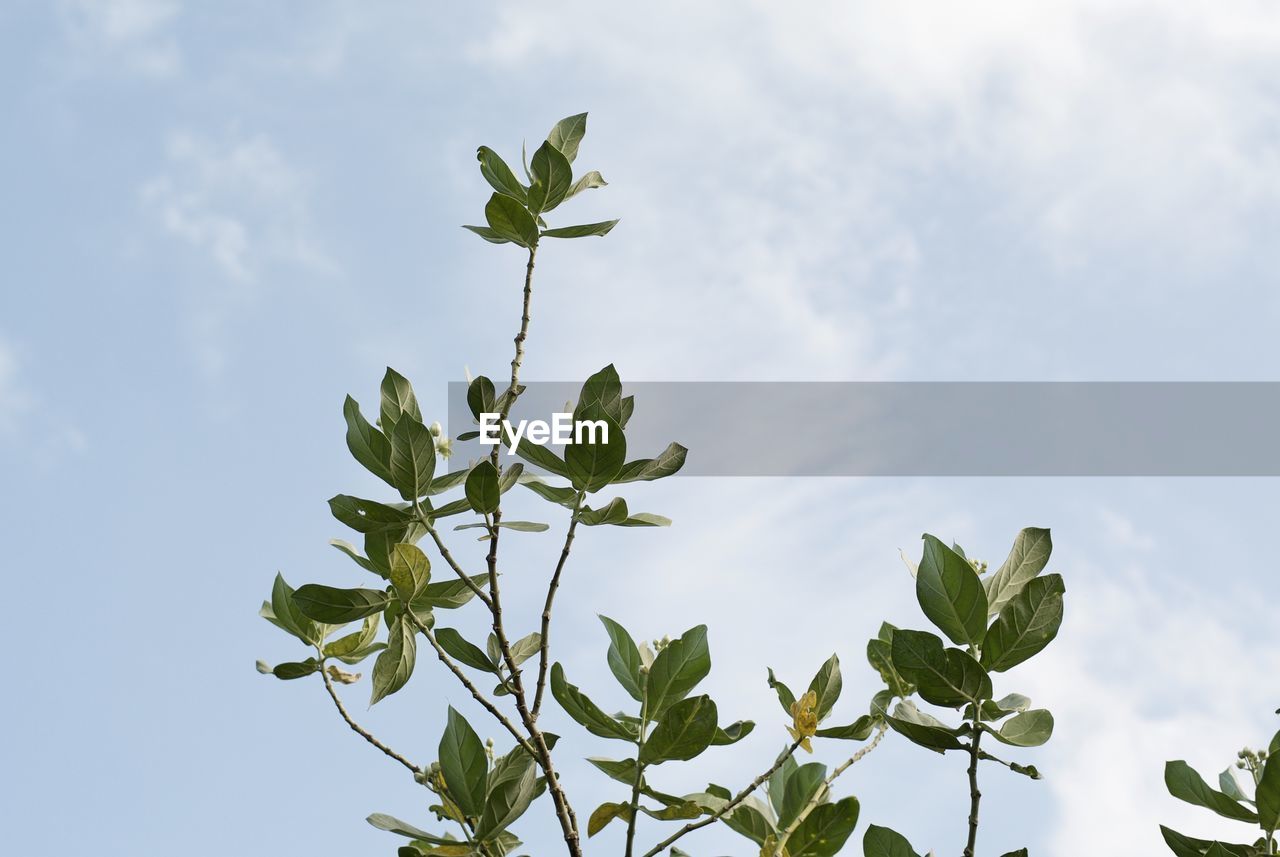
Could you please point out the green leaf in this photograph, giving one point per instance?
(391, 824)
(354, 648)
(1029, 556)
(1026, 729)
(413, 458)
(526, 647)
(858, 730)
(448, 594)
(499, 175)
(449, 480)
(464, 764)
(490, 235)
(950, 593)
(593, 463)
(681, 810)
(1003, 707)
(677, 670)
(826, 686)
(883, 842)
(922, 729)
(395, 664)
(463, 650)
(350, 550)
(785, 697)
(824, 832)
(410, 572)
(513, 784)
(290, 671)
(539, 456)
(590, 180)
(880, 656)
(509, 219)
(624, 659)
(668, 462)
(948, 677)
(524, 526)
(567, 134)
(379, 544)
(333, 606)
(368, 446)
(366, 516)
(552, 177)
(482, 488)
(733, 733)
(623, 771)
(456, 507)
(605, 813)
(800, 787)
(578, 706)
(481, 397)
(1268, 795)
(1230, 787)
(1028, 622)
(583, 230)
(397, 399)
(1185, 784)
(284, 614)
(751, 820)
(1187, 846)
(777, 784)
(613, 512)
(683, 732)
(562, 496)
(645, 519)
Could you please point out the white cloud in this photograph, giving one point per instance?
(1105, 124)
(44, 435)
(240, 202)
(136, 33)
(1151, 668)
(14, 400)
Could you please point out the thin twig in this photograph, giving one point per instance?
(544, 647)
(564, 812)
(467, 683)
(728, 807)
(638, 780)
(357, 728)
(821, 792)
(975, 796)
(453, 563)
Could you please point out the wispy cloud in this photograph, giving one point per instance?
(27, 422)
(239, 201)
(1103, 126)
(240, 204)
(133, 34)
(14, 400)
(1151, 668)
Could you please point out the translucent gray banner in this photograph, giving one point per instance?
(934, 428)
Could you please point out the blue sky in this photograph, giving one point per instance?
(220, 220)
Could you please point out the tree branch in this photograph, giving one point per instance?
(728, 807)
(541, 752)
(544, 647)
(448, 558)
(975, 796)
(826, 785)
(356, 727)
(467, 683)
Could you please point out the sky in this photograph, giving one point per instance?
(218, 220)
